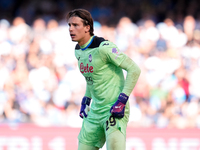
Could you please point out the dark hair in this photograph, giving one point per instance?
(85, 16)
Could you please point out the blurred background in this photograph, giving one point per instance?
(39, 79)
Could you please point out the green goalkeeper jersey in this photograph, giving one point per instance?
(99, 61)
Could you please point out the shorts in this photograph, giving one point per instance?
(94, 134)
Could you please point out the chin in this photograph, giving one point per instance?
(74, 40)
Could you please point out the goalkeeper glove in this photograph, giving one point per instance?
(85, 107)
(117, 110)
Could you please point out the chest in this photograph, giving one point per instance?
(89, 61)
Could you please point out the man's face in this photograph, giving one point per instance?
(77, 30)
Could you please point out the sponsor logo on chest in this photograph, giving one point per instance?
(86, 68)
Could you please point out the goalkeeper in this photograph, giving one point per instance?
(105, 106)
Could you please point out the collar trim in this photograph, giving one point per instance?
(88, 44)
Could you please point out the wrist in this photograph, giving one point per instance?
(86, 101)
(123, 98)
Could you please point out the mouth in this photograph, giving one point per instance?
(72, 35)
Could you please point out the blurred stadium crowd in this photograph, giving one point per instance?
(40, 82)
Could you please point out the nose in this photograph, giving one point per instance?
(70, 28)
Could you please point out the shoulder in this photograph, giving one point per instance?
(96, 42)
(77, 47)
(107, 46)
(108, 49)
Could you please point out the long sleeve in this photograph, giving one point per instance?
(110, 53)
(133, 73)
(87, 92)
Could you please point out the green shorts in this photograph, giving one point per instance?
(94, 134)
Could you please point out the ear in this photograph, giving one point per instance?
(87, 28)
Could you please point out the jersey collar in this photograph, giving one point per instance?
(85, 46)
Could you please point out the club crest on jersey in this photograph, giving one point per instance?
(90, 58)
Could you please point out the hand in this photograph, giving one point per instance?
(118, 109)
(85, 107)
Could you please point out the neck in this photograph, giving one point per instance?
(84, 40)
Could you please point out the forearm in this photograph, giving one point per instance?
(87, 92)
(133, 73)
